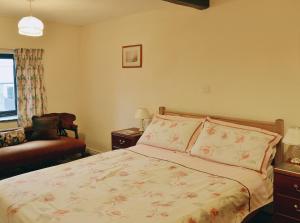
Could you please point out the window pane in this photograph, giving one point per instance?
(7, 91)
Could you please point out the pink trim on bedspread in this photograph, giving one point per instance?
(260, 186)
(216, 175)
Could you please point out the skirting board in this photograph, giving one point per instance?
(93, 151)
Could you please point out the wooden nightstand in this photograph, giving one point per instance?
(287, 193)
(125, 138)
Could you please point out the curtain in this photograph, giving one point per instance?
(31, 92)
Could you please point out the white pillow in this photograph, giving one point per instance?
(170, 132)
(236, 145)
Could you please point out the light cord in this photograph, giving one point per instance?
(30, 7)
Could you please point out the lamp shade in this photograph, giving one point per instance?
(142, 113)
(31, 26)
(292, 137)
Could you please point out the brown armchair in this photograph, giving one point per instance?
(66, 122)
(40, 151)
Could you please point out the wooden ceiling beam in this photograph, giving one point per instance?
(198, 4)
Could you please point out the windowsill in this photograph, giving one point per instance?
(9, 118)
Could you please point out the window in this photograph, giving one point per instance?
(8, 99)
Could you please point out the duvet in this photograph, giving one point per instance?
(138, 185)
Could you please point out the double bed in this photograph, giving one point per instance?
(144, 183)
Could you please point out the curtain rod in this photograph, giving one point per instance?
(6, 49)
(20, 48)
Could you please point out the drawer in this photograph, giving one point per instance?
(287, 185)
(120, 142)
(287, 206)
(277, 218)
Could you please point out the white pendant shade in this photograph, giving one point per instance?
(31, 26)
(142, 113)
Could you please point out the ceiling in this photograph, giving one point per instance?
(77, 12)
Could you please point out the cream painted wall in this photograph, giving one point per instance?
(247, 52)
(61, 44)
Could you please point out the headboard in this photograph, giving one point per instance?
(277, 126)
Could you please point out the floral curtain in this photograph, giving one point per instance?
(31, 91)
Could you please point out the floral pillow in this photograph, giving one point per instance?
(170, 132)
(236, 145)
(12, 137)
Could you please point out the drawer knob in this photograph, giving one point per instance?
(296, 207)
(122, 141)
(296, 187)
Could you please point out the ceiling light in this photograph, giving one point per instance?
(30, 25)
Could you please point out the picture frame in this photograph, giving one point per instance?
(132, 56)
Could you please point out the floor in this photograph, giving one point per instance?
(262, 217)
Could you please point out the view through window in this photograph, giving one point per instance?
(8, 105)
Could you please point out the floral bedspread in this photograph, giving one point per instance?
(122, 187)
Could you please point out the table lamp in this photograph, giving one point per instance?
(292, 138)
(142, 114)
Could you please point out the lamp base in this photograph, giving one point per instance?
(295, 160)
(142, 128)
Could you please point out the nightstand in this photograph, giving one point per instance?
(286, 193)
(125, 138)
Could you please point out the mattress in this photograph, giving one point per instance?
(140, 184)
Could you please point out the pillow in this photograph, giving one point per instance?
(45, 127)
(12, 137)
(236, 145)
(196, 133)
(170, 132)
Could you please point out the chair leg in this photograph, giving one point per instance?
(76, 134)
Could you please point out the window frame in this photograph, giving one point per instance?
(4, 114)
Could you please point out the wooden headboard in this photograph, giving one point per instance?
(277, 126)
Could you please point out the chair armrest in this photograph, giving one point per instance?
(73, 128)
(66, 123)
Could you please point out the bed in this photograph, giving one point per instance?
(141, 184)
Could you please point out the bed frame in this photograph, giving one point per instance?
(277, 126)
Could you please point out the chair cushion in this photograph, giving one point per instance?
(39, 151)
(12, 137)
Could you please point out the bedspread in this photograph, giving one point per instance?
(125, 186)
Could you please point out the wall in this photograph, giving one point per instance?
(62, 77)
(246, 52)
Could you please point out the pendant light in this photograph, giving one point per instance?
(30, 25)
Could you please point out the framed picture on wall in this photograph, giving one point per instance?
(132, 56)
